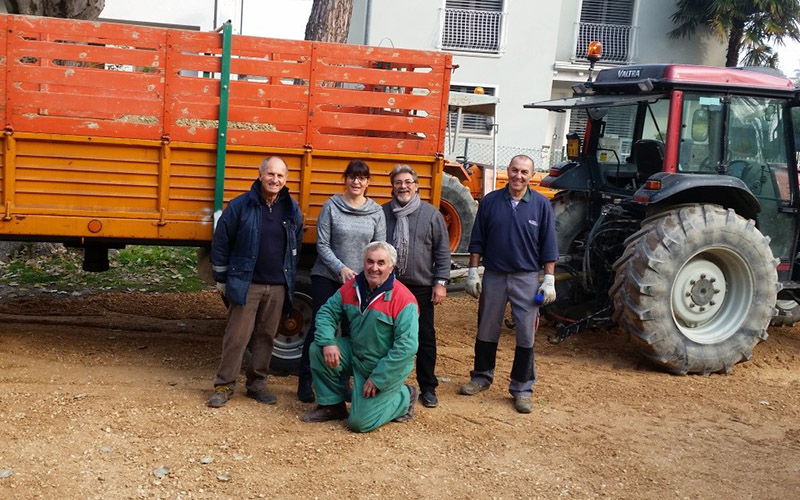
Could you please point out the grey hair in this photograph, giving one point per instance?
(263, 166)
(402, 169)
(384, 245)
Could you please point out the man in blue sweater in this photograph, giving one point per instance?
(254, 256)
(515, 234)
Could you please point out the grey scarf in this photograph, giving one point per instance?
(401, 238)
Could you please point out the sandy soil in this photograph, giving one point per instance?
(99, 392)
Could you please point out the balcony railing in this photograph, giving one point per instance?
(618, 41)
(472, 30)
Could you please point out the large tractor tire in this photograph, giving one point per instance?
(788, 313)
(572, 301)
(458, 209)
(695, 288)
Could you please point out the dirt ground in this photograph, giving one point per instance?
(99, 392)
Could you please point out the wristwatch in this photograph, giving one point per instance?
(441, 282)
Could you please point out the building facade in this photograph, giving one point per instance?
(524, 51)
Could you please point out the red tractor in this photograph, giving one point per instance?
(678, 211)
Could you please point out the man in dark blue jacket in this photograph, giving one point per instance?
(254, 260)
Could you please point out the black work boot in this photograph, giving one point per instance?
(305, 390)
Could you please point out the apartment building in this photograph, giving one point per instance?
(527, 50)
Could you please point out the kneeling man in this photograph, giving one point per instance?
(384, 321)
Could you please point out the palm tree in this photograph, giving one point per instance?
(747, 25)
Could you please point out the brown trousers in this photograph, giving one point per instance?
(259, 318)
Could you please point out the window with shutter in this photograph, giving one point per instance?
(609, 22)
(473, 25)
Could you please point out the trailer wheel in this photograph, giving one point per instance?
(288, 347)
(572, 301)
(695, 289)
(788, 313)
(458, 209)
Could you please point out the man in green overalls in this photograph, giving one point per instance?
(384, 321)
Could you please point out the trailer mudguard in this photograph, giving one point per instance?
(677, 188)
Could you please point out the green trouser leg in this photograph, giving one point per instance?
(366, 414)
(327, 381)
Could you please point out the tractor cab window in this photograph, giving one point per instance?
(701, 134)
(756, 153)
(632, 144)
(743, 137)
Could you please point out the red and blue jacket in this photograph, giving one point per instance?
(383, 338)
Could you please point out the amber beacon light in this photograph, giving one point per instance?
(594, 51)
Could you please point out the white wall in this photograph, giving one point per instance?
(654, 46)
(268, 18)
(523, 73)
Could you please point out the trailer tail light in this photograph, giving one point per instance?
(594, 51)
(554, 172)
(652, 185)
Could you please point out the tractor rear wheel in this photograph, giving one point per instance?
(458, 209)
(695, 288)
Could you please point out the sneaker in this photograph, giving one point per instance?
(523, 404)
(474, 387)
(263, 396)
(222, 393)
(429, 399)
(324, 413)
(413, 394)
(305, 391)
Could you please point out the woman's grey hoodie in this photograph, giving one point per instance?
(342, 234)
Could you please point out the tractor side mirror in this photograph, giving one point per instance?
(700, 125)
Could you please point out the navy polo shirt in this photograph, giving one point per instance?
(514, 238)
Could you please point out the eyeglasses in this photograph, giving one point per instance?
(358, 178)
(403, 183)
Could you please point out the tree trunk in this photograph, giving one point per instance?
(734, 44)
(329, 21)
(70, 9)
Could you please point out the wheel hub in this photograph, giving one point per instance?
(702, 291)
(699, 292)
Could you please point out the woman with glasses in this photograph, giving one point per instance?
(347, 223)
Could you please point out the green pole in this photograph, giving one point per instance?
(222, 131)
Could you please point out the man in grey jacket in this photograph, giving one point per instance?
(416, 229)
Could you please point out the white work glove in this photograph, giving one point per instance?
(473, 282)
(221, 287)
(548, 289)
